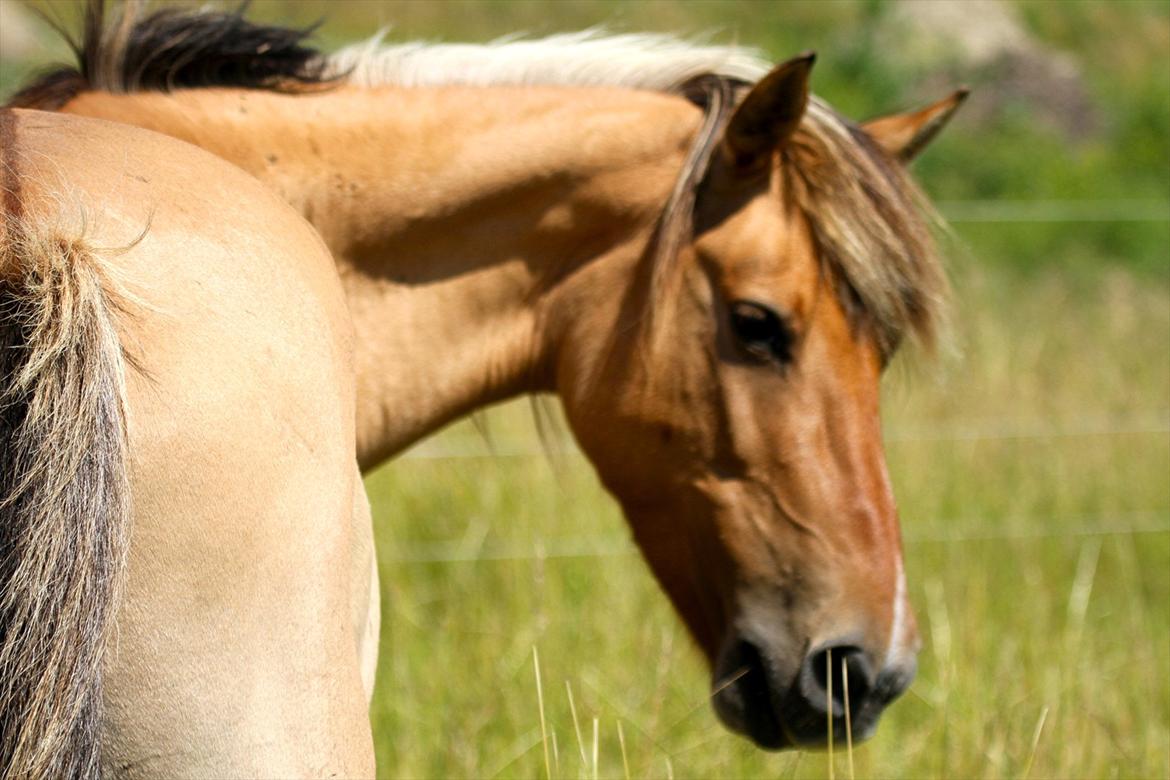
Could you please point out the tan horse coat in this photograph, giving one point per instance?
(234, 653)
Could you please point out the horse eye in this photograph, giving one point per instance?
(761, 331)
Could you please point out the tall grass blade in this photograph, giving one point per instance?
(576, 725)
(622, 742)
(829, 705)
(540, 703)
(595, 749)
(1082, 589)
(848, 719)
(1035, 743)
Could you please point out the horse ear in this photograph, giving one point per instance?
(905, 135)
(769, 113)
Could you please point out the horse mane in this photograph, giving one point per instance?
(870, 221)
(588, 58)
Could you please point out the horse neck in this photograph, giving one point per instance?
(474, 228)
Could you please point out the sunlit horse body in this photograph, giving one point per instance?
(707, 266)
(177, 364)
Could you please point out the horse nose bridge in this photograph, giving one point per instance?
(862, 522)
(868, 601)
(855, 476)
(878, 559)
(871, 603)
(871, 513)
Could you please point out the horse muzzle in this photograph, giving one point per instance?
(753, 697)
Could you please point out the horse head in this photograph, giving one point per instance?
(735, 412)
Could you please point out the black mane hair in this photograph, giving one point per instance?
(174, 48)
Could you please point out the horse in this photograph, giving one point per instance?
(179, 493)
(709, 266)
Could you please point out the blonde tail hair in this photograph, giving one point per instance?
(64, 505)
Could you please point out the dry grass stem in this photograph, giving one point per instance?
(622, 743)
(540, 704)
(576, 725)
(556, 754)
(595, 749)
(848, 720)
(1082, 589)
(1035, 743)
(829, 706)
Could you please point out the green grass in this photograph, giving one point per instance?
(1033, 473)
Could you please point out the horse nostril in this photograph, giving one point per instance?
(828, 678)
(848, 670)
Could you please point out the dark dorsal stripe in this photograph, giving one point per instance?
(174, 48)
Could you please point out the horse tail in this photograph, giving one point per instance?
(64, 503)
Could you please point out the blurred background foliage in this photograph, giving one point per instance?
(1032, 464)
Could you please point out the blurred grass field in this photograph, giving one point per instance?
(1031, 463)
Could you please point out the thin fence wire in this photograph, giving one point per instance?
(1142, 423)
(1038, 527)
(1138, 423)
(980, 211)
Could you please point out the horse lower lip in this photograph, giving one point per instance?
(744, 699)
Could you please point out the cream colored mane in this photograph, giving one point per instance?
(589, 58)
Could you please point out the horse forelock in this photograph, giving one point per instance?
(873, 228)
(871, 224)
